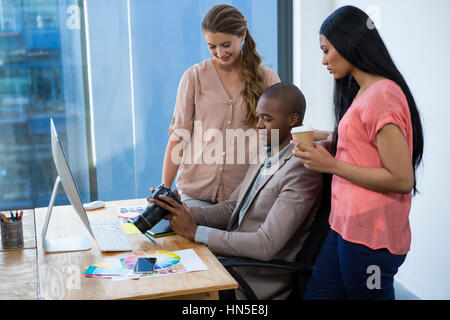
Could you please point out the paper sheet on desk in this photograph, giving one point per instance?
(130, 211)
(168, 262)
(191, 260)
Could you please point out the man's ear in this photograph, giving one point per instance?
(293, 120)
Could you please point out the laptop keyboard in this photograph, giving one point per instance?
(109, 235)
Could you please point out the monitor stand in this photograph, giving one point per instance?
(61, 244)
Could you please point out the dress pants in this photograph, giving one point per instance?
(346, 270)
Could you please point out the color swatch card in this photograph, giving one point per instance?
(167, 262)
(109, 272)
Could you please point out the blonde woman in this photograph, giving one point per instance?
(214, 96)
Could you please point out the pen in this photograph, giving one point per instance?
(4, 218)
(12, 216)
(150, 238)
(21, 214)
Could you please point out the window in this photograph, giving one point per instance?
(107, 72)
(40, 78)
(136, 70)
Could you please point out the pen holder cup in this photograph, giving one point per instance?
(12, 234)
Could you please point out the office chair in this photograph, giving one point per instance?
(305, 259)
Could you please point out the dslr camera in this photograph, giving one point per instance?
(154, 213)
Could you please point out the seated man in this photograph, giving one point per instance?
(269, 215)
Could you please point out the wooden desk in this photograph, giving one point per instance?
(61, 274)
(18, 268)
(18, 275)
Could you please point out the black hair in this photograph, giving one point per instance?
(355, 37)
(291, 98)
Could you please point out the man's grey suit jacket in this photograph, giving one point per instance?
(274, 226)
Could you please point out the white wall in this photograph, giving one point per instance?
(416, 33)
(310, 75)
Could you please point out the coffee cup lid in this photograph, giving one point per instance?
(305, 128)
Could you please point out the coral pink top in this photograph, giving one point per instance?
(374, 219)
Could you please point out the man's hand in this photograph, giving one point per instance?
(180, 216)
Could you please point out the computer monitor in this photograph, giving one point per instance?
(66, 179)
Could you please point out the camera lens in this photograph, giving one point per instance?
(153, 213)
(149, 217)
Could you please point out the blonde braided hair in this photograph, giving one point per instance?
(227, 19)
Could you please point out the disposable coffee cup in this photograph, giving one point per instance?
(303, 134)
(12, 234)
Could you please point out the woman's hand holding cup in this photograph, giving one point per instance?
(314, 157)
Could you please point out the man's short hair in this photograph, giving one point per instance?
(290, 97)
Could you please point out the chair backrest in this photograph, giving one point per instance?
(319, 231)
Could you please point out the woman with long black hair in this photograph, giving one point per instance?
(377, 147)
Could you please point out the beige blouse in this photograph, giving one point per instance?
(206, 120)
